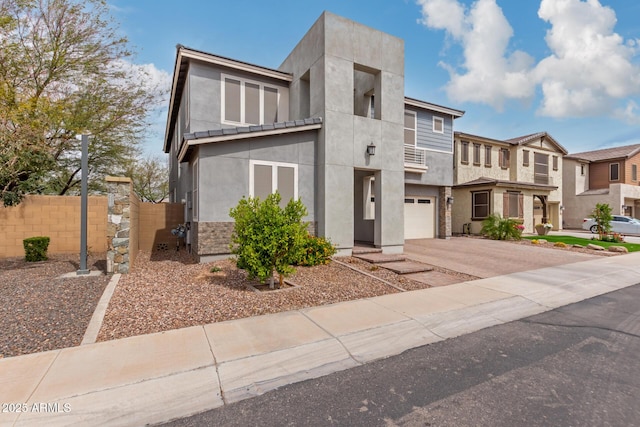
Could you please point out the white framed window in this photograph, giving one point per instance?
(438, 124)
(246, 102)
(268, 177)
(194, 194)
(368, 197)
(410, 134)
(614, 171)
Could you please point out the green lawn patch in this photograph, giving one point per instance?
(570, 240)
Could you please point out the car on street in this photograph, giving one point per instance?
(619, 224)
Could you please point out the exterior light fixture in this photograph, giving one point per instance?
(371, 149)
(449, 200)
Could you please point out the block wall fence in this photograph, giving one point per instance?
(146, 226)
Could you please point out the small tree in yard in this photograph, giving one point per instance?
(267, 237)
(602, 216)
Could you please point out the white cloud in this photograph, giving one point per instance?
(491, 74)
(591, 67)
(590, 71)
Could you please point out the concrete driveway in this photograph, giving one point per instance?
(487, 258)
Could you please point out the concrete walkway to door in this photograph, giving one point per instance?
(487, 258)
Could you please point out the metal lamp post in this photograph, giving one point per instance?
(83, 206)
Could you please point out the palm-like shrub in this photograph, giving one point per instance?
(497, 228)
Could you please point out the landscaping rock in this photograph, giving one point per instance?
(577, 246)
(542, 241)
(618, 249)
(595, 247)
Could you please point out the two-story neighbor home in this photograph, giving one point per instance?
(518, 178)
(601, 176)
(330, 126)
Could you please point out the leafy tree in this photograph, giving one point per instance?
(150, 178)
(602, 216)
(64, 71)
(267, 237)
(498, 228)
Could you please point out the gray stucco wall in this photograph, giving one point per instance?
(224, 171)
(329, 55)
(440, 170)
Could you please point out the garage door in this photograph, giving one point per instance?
(419, 217)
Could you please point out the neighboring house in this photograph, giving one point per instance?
(519, 178)
(330, 126)
(601, 176)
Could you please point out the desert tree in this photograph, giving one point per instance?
(65, 70)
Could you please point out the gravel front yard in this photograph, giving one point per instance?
(40, 311)
(167, 290)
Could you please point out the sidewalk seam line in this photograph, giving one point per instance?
(333, 336)
(216, 365)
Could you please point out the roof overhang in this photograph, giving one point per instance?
(516, 185)
(183, 58)
(434, 107)
(189, 144)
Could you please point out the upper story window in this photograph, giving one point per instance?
(504, 158)
(248, 102)
(583, 168)
(464, 152)
(487, 155)
(555, 163)
(525, 157)
(614, 171)
(541, 168)
(410, 119)
(438, 124)
(634, 172)
(476, 154)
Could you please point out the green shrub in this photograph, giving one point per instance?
(497, 228)
(35, 248)
(317, 251)
(267, 237)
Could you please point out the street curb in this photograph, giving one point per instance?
(91, 334)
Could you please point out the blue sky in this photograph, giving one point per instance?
(567, 67)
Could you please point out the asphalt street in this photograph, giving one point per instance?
(574, 366)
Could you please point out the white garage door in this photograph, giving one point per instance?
(419, 217)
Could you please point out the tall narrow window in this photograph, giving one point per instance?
(464, 152)
(270, 105)
(476, 154)
(513, 205)
(438, 124)
(525, 157)
(540, 168)
(555, 163)
(368, 198)
(410, 119)
(634, 172)
(583, 167)
(232, 101)
(194, 194)
(504, 158)
(487, 155)
(614, 171)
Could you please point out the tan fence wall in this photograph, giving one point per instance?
(155, 224)
(57, 217)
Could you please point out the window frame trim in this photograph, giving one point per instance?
(243, 81)
(415, 129)
(618, 170)
(473, 204)
(464, 149)
(274, 175)
(433, 124)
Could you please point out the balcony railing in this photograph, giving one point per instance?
(543, 179)
(415, 158)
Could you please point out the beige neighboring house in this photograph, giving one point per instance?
(518, 178)
(601, 176)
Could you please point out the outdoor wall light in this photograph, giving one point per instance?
(371, 149)
(449, 200)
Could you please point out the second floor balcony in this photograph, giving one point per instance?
(415, 159)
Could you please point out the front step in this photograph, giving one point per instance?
(380, 258)
(365, 250)
(406, 267)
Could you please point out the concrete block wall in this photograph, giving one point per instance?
(57, 217)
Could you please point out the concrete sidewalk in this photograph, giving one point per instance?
(159, 377)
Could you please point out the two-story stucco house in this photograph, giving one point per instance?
(330, 126)
(518, 178)
(601, 176)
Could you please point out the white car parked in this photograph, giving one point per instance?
(619, 224)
